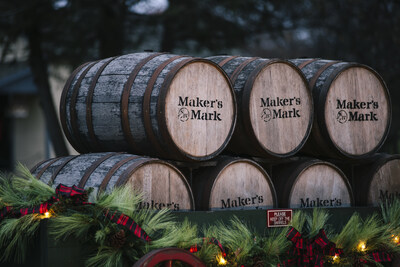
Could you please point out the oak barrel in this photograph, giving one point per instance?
(377, 180)
(352, 109)
(162, 185)
(275, 107)
(152, 104)
(233, 184)
(310, 183)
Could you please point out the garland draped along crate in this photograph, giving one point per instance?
(310, 183)
(352, 109)
(152, 104)
(275, 106)
(377, 180)
(162, 185)
(233, 184)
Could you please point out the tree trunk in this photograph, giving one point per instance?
(41, 78)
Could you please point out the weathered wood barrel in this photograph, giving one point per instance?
(377, 180)
(310, 183)
(162, 185)
(275, 107)
(152, 104)
(352, 109)
(233, 184)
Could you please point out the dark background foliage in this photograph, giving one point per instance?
(71, 32)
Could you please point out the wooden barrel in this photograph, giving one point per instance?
(275, 107)
(352, 109)
(162, 185)
(149, 104)
(233, 184)
(310, 183)
(377, 181)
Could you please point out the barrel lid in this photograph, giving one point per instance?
(198, 109)
(320, 184)
(162, 185)
(241, 184)
(280, 107)
(357, 110)
(385, 183)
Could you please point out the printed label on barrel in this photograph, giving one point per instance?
(320, 185)
(194, 109)
(199, 105)
(162, 187)
(385, 184)
(241, 185)
(280, 108)
(356, 111)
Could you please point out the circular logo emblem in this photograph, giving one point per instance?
(342, 116)
(183, 114)
(266, 115)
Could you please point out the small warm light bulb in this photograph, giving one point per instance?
(396, 239)
(47, 214)
(361, 246)
(336, 258)
(221, 260)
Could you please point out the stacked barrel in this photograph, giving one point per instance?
(227, 132)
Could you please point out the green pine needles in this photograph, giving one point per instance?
(20, 190)
(109, 244)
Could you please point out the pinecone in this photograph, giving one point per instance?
(118, 239)
(258, 262)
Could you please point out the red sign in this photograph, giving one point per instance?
(278, 218)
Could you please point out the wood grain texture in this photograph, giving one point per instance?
(199, 83)
(128, 118)
(274, 103)
(377, 180)
(162, 185)
(311, 183)
(234, 184)
(352, 109)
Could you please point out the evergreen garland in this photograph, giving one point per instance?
(109, 244)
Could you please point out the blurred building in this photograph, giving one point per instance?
(23, 132)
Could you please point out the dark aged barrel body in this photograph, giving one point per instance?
(352, 109)
(162, 185)
(377, 180)
(310, 183)
(275, 109)
(149, 104)
(233, 184)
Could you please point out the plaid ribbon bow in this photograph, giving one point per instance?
(79, 197)
(309, 252)
(377, 256)
(211, 240)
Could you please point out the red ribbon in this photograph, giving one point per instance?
(211, 240)
(79, 195)
(309, 252)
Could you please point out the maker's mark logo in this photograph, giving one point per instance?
(280, 108)
(183, 114)
(266, 114)
(199, 109)
(342, 116)
(354, 110)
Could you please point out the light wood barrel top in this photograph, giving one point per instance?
(200, 109)
(385, 183)
(356, 106)
(242, 184)
(281, 108)
(163, 186)
(320, 185)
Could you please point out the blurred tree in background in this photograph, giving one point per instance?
(70, 32)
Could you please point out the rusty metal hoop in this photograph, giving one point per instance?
(167, 256)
